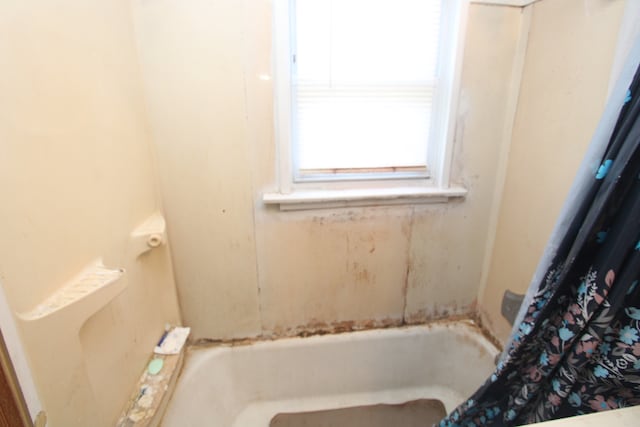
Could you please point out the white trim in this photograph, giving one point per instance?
(314, 199)
(18, 356)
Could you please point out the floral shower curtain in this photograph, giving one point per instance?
(577, 349)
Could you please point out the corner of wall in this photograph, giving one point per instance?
(509, 120)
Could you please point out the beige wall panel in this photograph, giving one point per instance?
(309, 272)
(564, 88)
(444, 265)
(192, 58)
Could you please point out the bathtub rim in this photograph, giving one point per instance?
(200, 355)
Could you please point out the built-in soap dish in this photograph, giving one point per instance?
(83, 296)
(151, 234)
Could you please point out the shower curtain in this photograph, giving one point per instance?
(577, 347)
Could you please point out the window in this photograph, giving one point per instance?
(364, 92)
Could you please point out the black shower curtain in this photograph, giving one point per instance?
(578, 348)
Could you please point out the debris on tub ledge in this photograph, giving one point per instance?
(151, 396)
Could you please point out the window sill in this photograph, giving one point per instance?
(323, 199)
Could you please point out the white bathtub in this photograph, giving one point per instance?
(246, 386)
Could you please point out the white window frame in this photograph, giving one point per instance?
(371, 189)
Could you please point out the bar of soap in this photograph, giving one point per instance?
(155, 366)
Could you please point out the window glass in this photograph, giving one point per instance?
(364, 77)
